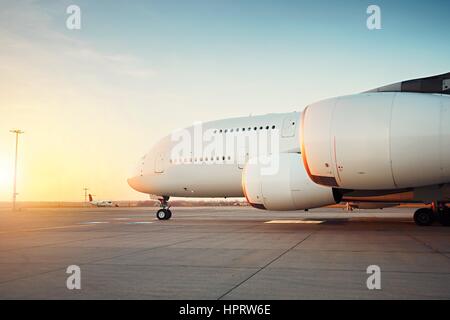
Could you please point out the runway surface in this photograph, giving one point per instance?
(221, 253)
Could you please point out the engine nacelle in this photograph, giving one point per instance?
(286, 188)
(375, 141)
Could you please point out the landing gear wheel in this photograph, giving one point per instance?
(424, 217)
(164, 214)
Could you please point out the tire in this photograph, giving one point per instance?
(169, 214)
(424, 217)
(162, 214)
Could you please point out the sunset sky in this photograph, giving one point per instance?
(92, 101)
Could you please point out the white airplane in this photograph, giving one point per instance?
(385, 146)
(101, 203)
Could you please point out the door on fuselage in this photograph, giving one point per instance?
(242, 158)
(289, 125)
(159, 163)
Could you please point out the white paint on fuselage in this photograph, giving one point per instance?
(156, 174)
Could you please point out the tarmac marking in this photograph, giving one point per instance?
(296, 221)
(139, 222)
(93, 222)
(48, 228)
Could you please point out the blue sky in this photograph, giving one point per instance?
(291, 51)
(93, 100)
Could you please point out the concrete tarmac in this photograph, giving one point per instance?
(221, 253)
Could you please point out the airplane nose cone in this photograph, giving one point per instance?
(131, 182)
(136, 176)
(136, 183)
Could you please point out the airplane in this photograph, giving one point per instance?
(101, 203)
(389, 145)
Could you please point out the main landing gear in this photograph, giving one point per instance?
(164, 213)
(438, 211)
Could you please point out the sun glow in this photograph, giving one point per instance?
(6, 174)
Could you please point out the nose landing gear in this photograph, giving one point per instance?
(164, 213)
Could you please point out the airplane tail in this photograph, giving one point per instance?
(90, 197)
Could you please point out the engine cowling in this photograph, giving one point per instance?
(288, 187)
(377, 141)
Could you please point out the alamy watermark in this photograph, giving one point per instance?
(73, 281)
(374, 280)
(255, 145)
(374, 20)
(73, 21)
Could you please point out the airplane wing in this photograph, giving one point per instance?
(435, 84)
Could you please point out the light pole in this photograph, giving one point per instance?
(16, 132)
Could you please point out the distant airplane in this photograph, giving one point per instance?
(101, 203)
(378, 148)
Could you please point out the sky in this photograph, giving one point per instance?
(92, 101)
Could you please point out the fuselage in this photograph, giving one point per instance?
(217, 173)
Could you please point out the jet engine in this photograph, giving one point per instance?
(279, 182)
(374, 141)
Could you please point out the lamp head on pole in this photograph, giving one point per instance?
(17, 131)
